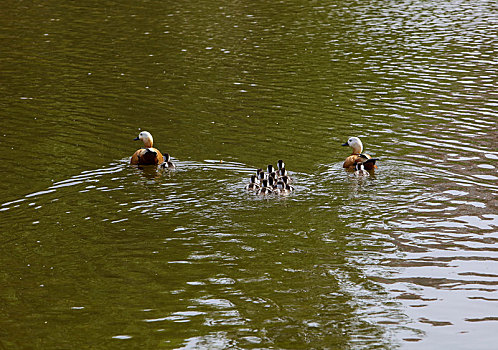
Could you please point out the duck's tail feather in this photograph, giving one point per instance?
(371, 160)
(369, 164)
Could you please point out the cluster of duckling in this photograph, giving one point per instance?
(274, 181)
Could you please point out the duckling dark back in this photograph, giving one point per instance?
(280, 164)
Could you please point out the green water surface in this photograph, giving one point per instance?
(98, 254)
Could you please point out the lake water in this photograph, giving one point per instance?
(98, 254)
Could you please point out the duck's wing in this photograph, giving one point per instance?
(148, 157)
(370, 163)
(135, 158)
(351, 161)
(159, 157)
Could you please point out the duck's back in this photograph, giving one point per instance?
(147, 156)
(351, 161)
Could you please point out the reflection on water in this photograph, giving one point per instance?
(95, 251)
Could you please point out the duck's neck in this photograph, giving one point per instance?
(148, 143)
(357, 149)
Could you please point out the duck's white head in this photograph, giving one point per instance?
(355, 144)
(146, 137)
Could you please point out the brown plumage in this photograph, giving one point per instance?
(352, 160)
(148, 155)
(357, 156)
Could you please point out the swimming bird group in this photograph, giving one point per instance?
(273, 181)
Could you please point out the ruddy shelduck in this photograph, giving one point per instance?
(148, 155)
(358, 157)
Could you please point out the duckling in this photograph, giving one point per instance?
(167, 164)
(272, 182)
(265, 189)
(274, 176)
(280, 164)
(360, 169)
(283, 172)
(271, 172)
(270, 169)
(261, 176)
(252, 186)
(285, 180)
(148, 155)
(357, 156)
(282, 189)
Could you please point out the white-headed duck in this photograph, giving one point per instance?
(167, 164)
(357, 156)
(265, 189)
(148, 155)
(252, 185)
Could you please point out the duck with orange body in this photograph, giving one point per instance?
(358, 157)
(148, 155)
